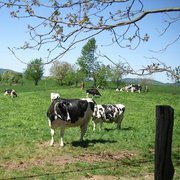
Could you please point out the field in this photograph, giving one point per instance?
(107, 154)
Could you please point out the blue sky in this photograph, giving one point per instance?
(13, 32)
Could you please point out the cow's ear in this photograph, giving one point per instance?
(64, 104)
(61, 104)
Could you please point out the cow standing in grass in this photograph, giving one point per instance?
(93, 92)
(10, 92)
(64, 113)
(108, 113)
(136, 88)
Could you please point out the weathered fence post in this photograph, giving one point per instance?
(164, 169)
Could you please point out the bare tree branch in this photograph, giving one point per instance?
(67, 23)
(166, 47)
(12, 51)
(160, 67)
(148, 70)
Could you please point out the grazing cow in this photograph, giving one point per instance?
(64, 113)
(132, 88)
(11, 92)
(54, 96)
(126, 88)
(136, 88)
(93, 92)
(108, 113)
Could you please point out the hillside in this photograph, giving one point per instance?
(3, 70)
(136, 81)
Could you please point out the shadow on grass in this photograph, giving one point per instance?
(87, 143)
(122, 129)
(128, 129)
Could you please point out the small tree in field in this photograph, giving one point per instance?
(60, 71)
(34, 71)
(88, 62)
(103, 75)
(117, 72)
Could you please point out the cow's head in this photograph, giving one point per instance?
(61, 110)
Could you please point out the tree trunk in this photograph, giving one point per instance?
(36, 82)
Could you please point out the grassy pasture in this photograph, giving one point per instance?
(127, 153)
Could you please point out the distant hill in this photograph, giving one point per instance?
(136, 81)
(4, 70)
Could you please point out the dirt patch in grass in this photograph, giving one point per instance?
(101, 177)
(66, 159)
(61, 159)
(104, 156)
(38, 162)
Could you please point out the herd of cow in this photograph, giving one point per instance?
(64, 113)
(131, 88)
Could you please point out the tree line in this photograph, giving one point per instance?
(87, 67)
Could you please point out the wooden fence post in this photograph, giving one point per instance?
(164, 169)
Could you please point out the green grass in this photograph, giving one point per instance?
(127, 153)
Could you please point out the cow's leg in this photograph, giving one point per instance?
(52, 137)
(119, 122)
(62, 136)
(52, 133)
(94, 126)
(100, 125)
(83, 130)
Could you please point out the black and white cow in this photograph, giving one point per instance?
(132, 88)
(108, 113)
(64, 113)
(93, 92)
(11, 92)
(136, 88)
